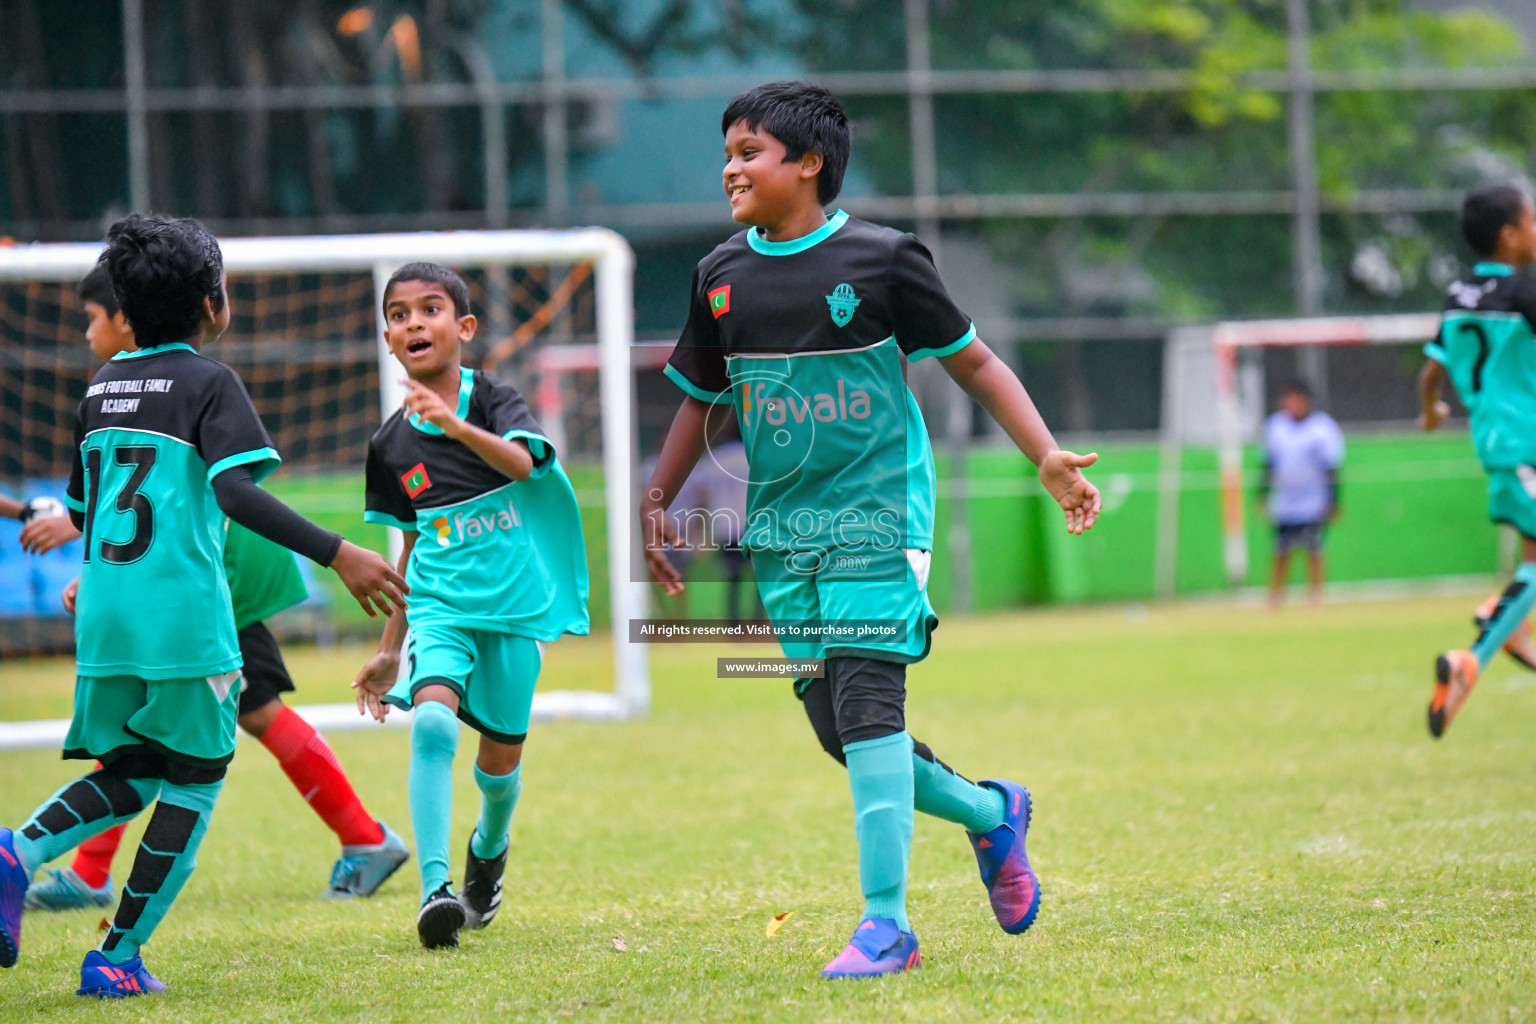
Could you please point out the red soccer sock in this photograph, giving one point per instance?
(93, 858)
(312, 768)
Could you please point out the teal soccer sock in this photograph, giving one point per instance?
(940, 791)
(167, 854)
(498, 799)
(86, 807)
(1514, 605)
(880, 775)
(434, 741)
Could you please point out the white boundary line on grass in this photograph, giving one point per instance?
(49, 733)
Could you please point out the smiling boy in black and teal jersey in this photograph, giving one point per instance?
(494, 554)
(800, 323)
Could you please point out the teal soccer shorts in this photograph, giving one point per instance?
(844, 590)
(1512, 498)
(493, 673)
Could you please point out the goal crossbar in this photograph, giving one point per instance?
(381, 255)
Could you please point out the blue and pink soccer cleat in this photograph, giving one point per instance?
(103, 979)
(878, 947)
(1012, 887)
(13, 894)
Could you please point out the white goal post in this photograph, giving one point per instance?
(612, 261)
(1207, 399)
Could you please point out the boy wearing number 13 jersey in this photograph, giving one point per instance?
(1487, 347)
(168, 445)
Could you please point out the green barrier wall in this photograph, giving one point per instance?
(1414, 507)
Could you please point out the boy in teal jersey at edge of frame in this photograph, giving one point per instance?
(799, 324)
(168, 445)
(1487, 347)
(497, 566)
(263, 579)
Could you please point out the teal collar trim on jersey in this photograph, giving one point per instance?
(466, 388)
(153, 350)
(1491, 269)
(763, 246)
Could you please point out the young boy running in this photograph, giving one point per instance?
(502, 570)
(1488, 349)
(800, 323)
(263, 580)
(169, 444)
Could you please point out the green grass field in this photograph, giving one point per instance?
(1239, 816)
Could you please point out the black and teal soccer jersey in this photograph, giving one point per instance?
(491, 553)
(805, 338)
(154, 429)
(1487, 345)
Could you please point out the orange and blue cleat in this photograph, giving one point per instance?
(1455, 676)
(1012, 888)
(101, 978)
(878, 946)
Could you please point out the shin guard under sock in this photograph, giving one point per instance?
(86, 807)
(939, 790)
(434, 741)
(1514, 605)
(311, 766)
(880, 776)
(498, 799)
(167, 854)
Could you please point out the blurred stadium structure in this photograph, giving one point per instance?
(1091, 176)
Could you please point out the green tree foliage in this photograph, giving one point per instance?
(1219, 131)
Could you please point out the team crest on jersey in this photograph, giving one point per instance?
(720, 301)
(843, 302)
(416, 480)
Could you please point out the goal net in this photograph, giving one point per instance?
(1219, 380)
(306, 336)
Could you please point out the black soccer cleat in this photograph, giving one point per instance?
(482, 886)
(440, 919)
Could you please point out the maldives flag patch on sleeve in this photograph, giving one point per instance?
(720, 301)
(416, 479)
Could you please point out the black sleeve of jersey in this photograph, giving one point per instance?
(74, 494)
(229, 432)
(253, 508)
(384, 498)
(506, 413)
(924, 318)
(698, 362)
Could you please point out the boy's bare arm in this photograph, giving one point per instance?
(1433, 411)
(680, 452)
(990, 382)
(511, 459)
(10, 508)
(379, 674)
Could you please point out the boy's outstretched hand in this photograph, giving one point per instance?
(657, 530)
(371, 579)
(44, 533)
(1061, 473)
(374, 681)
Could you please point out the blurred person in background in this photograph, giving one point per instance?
(1303, 450)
